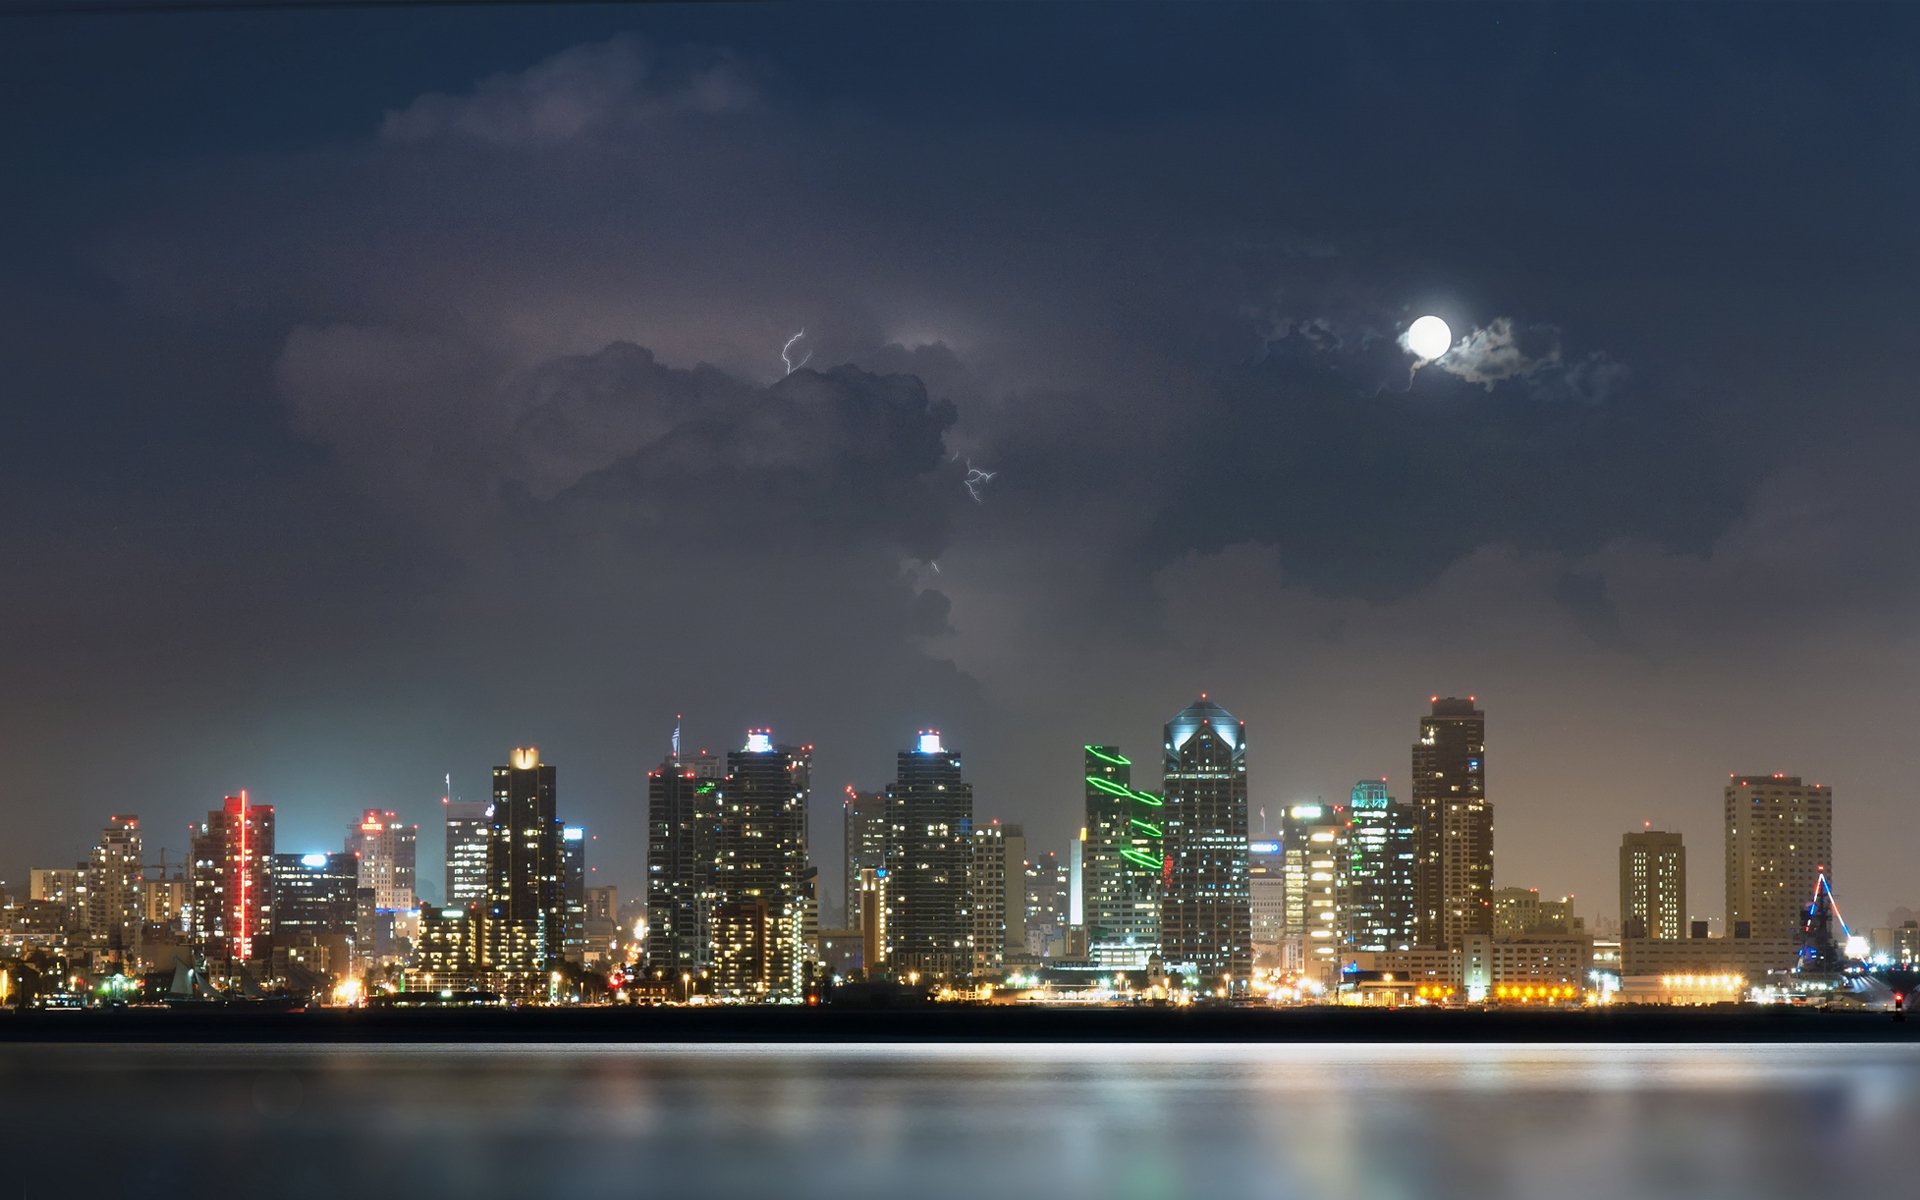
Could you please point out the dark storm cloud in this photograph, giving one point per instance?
(466, 410)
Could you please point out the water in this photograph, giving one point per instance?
(1125, 1122)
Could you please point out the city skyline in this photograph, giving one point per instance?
(827, 832)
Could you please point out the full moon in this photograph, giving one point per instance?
(1429, 338)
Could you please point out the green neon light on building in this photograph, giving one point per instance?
(1145, 860)
(1149, 826)
(1117, 760)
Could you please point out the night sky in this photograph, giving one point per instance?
(385, 389)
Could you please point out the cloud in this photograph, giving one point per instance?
(590, 90)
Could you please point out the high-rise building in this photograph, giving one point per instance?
(1123, 862)
(1779, 839)
(763, 891)
(232, 881)
(873, 918)
(929, 848)
(683, 819)
(573, 892)
(1267, 902)
(1653, 885)
(113, 886)
(313, 895)
(525, 911)
(998, 886)
(1379, 901)
(388, 851)
(1453, 825)
(469, 826)
(1313, 841)
(1206, 922)
(863, 825)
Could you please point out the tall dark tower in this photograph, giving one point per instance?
(526, 913)
(763, 889)
(683, 817)
(1453, 825)
(1206, 918)
(1379, 870)
(929, 851)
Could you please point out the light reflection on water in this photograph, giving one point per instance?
(1130, 1122)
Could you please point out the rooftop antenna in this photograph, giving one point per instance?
(676, 737)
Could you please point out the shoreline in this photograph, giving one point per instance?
(838, 1025)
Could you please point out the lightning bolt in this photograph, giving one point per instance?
(793, 366)
(977, 479)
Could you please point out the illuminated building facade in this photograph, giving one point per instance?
(388, 851)
(1653, 885)
(1779, 839)
(1206, 921)
(1313, 841)
(113, 886)
(863, 826)
(929, 850)
(1453, 825)
(1122, 862)
(683, 823)
(232, 882)
(1379, 902)
(763, 891)
(469, 830)
(525, 911)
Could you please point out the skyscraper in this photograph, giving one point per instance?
(998, 886)
(573, 892)
(525, 912)
(1653, 885)
(762, 888)
(1267, 901)
(683, 816)
(1313, 838)
(1379, 900)
(1123, 862)
(1206, 923)
(388, 851)
(232, 881)
(1047, 893)
(113, 886)
(1779, 839)
(929, 848)
(469, 826)
(863, 824)
(1453, 825)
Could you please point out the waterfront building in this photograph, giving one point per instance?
(1779, 838)
(387, 848)
(683, 820)
(1122, 862)
(1267, 905)
(863, 827)
(525, 910)
(763, 888)
(1206, 922)
(232, 881)
(113, 886)
(313, 895)
(1653, 885)
(1313, 847)
(1453, 825)
(1378, 904)
(1047, 897)
(998, 895)
(929, 850)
